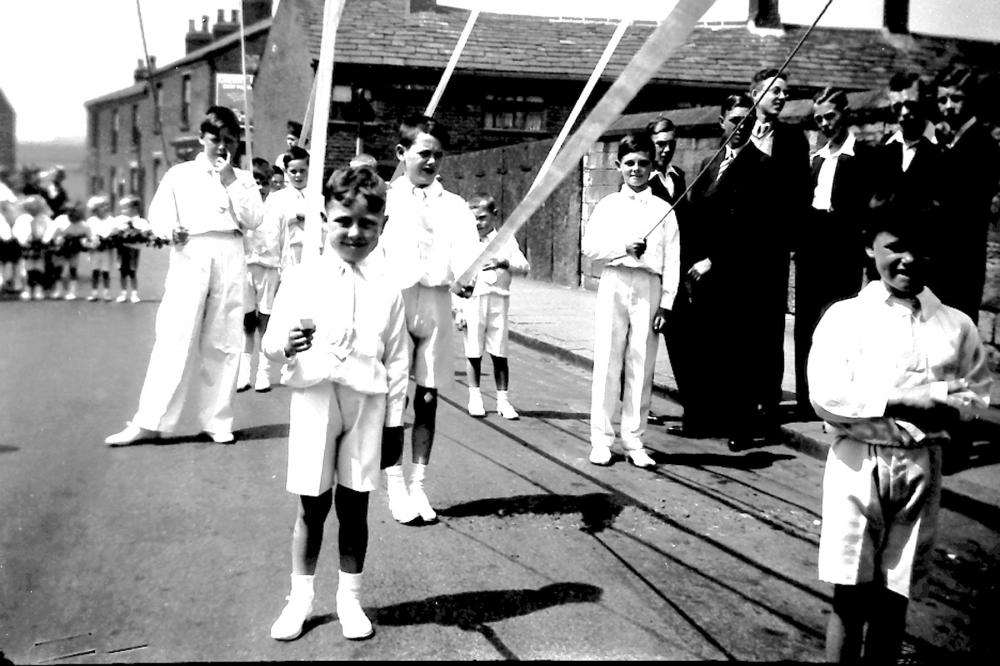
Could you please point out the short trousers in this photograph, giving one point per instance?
(334, 437)
(880, 511)
(102, 260)
(486, 325)
(428, 320)
(260, 287)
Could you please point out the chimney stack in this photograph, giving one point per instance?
(422, 6)
(256, 10)
(764, 14)
(140, 74)
(223, 27)
(195, 40)
(896, 16)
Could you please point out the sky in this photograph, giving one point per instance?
(57, 54)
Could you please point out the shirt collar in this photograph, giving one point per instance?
(641, 195)
(762, 127)
(846, 148)
(432, 191)
(929, 133)
(203, 162)
(876, 291)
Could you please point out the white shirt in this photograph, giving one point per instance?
(763, 136)
(28, 228)
(100, 227)
(121, 223)
(360, 340)
(191, 195)
(910, 149)
(822, 195)
(497, 280)
(430, 234)
(278, 241)
(865, 348)
(624, 216)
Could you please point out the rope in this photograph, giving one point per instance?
(595, 76)
(246, 96)
(452, 61)
(157, 120)
(753, 109)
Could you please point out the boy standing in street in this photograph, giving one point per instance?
(345, 393)
(204, 205)
(634, 298)
(430, 239)
(486, 311)
(886, 370)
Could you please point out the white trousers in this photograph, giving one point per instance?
(627, 299)
(199, 335)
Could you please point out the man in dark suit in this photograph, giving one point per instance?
(972, 163)
(736, 285)
(830, 253)
(787, 153)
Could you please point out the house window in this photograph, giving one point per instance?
(95, 128)
(112, 181)
(185, 101)
(524, 113)
(157, 165)
(135, 179)
(115, 126)
(136, 135)
(157, 106)
(352, 105)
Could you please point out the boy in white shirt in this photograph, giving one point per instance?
(485, 312)
(130, 232)
(204, 205)
(101, 225)
(430, 239)
(887, 370)
(634, 298)
(35, 231)
(71, 237)
(345, 393)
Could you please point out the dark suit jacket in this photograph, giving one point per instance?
(924, 183)
(853, 187)
(678, 180)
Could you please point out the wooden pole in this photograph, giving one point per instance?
(247, 131)
(332, 11)
(669, 35)
(456, 53)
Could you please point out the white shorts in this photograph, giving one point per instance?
(428, 320)
(103, 260)
(880, 509)
(261, 286)
(334, 436)
(486, 330)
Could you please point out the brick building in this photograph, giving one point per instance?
(128, 148)
(8, 139)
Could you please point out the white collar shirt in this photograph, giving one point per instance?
(668, 183)
(430, 234)
(867, 347)
(497, 280)
(277, 242)
(763, 136)
(360, 339)
(823, 193)
(623, 217)
(191, 195)
(910, 149)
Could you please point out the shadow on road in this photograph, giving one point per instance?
(597, 510)
(270, 431)
(552, 414)
(755, 459)
(8, 449)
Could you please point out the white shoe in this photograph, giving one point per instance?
(26, 295)
(600, 455)
(221, 437)
(69, 297)
(476, 407)
(289, 624)
(57, 293)
(423, 505)
(507, 411)
(400, 505)
(262, 384)
(134, 298)
(122, 297)
(92, 297)
(39, 294)
(130, 434)
(640, 458)
(243, 374)
(353, 621)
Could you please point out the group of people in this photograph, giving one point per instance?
(889, 246)
(43, 235)
(887, 366)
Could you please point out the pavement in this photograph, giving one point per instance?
(559, 320)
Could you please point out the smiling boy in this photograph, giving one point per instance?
(634, 298)
(885, 371)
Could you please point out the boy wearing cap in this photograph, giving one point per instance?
(204, 205)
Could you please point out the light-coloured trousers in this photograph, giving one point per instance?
(627, 300)
(199, 335)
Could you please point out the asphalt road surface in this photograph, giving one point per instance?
(179, 550)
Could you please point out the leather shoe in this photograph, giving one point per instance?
(600, 455)
(737, 444)
(130, 435)
(640, 458)
(221, 437)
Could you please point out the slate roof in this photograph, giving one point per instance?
(384, 32)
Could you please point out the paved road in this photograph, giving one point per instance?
(178, 551)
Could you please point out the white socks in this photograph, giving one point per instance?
(289, 624)
(353, 622)
(400, 505)
(417, 495)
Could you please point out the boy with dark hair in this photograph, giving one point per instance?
(262, 175)
(204, 205)
(430, 239)
(130, 232)
(347, 393)
(485, 312)
(886, 370)
(636, 292)
(277, 178)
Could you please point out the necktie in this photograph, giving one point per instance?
(726, 161)
(761, 129)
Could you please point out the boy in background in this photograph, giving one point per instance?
(131, 231)
(887, 370)
(346, 392)
(634, 297)
(485, 312)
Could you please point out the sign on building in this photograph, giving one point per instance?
(229, 92)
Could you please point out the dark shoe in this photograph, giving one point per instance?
(738, 444)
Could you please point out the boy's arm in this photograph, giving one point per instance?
(671, 269)
(396, 359)
(281, 322)
(246, 202)
(599, 242)
(163, 215)
(517, 263)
